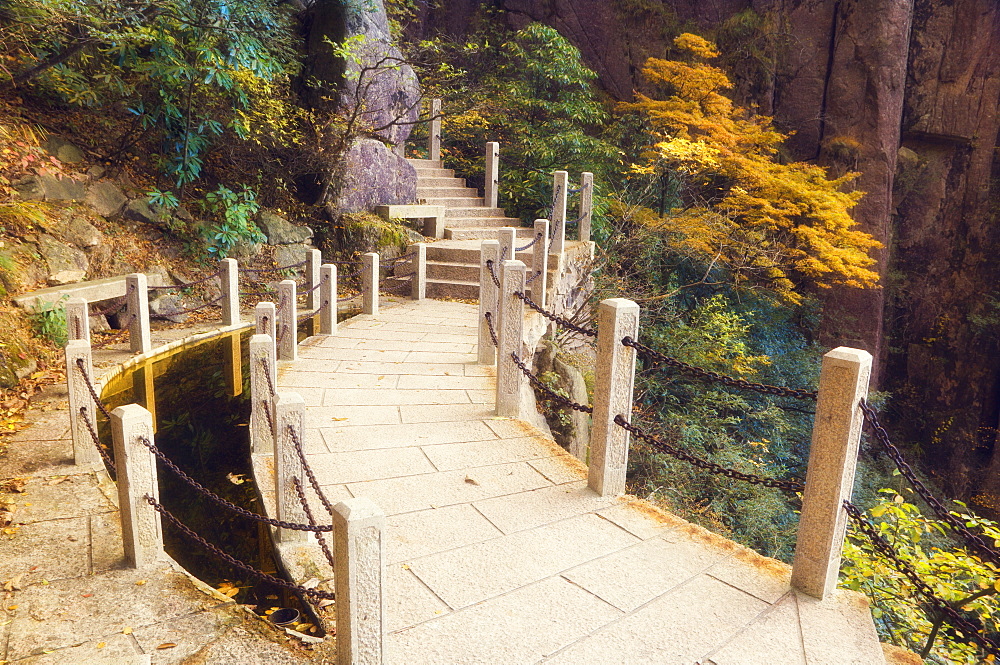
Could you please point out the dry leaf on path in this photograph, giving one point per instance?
(167, 645)
(14, 485)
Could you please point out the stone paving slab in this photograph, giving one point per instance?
(499, 553)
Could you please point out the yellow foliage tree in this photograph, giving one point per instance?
(774, 225)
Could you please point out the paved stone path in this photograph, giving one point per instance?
(498, 552)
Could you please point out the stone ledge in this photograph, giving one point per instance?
(92, 291)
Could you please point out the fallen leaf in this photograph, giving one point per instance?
(86, 595)
(406, 566)
(101, 645)
(56, 481)
(236, 478)
(127, 630)
(338, 419)
(167, 645)
(11, 608)
(13, 584)
(140, 582)
(14, 485)
(471, 480)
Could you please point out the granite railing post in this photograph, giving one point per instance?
(489, 251)
(137, 297)
(613, 382)
(266, 319)
(263, 375)
(328, 300)
(288, 328)
(434, 132)
(314, 259)
(289, 416)
(560, 185)
(508, 240)
(359, 534)
(586, 205)
(510, 334)
(492, 186)
(418, 264)
(833, 456)
(81, 403)
(540, 263)
(229, 276)
(77, 319)
(369, 283)
(142, 532)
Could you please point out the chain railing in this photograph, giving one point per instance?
(273, 271)
(101, 448)
(531, 244)
(555, 318)
(653, 356)
(233, 561)
(185, 285)
(547, 391)
(188, 310)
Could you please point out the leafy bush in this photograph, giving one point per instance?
(49, 322)
(234, 213)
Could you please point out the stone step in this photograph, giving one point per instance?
(481, 222)
(478, 212)
(453, 272)
(439, 181)
(466, 252)
(438, 288)
(424, 163)
(482, 232)
(477, 203)
(447, 192)
(434, 173)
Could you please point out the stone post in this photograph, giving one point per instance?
(137, 297)
(510, 334)
(142, 532)
(613, 383)
(288, 333)
(540, 263)
(508, 240)
(560, 184)
(489, 251)
(85, 451)
(843, 383)
(328, 300)
(314, 258)
(77, 319)
(586, 204)
(289, 415)
(419, 265)
(266, 319)
(263, 375)
(434, 133)
(491, 189)
(369, 283)
(229, 276)
(359, 534)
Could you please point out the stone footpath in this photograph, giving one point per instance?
(68, 597)
(497, 551)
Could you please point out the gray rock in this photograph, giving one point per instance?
(66, 277)
(63, 150)
(60, 257)
(99, 323)
(168, 307)
(96, 172)
(141, 210)
(286, 255)
(82, 233)
(50, 188)
(245, 250)
(280, 231)
(105, 198)
(375, 175)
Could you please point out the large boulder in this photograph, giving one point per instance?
(141, 210)
(280, 231)
(289, 255)
(50, 188)
(63, 150)
(65, 263)
(105, 198)
(374, 175)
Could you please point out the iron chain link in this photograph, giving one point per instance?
(650, 355)
(92, 389)
(551, 394)
(312, 521)
(711, 467)
(555, 318)
(97, 440)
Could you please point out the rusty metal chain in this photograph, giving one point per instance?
(939, 604)
(650, 355)
(711, 467)
(555, 318)
(576, 221)
(310, 290)
(533, 278)
(92, 389)
(529, 245)
(262, 271)
(111, 310)
(270, 379)
(312, 521)
(551, 394)
(882, 436)
(400, 259)
(493, 333)
(188, 310)
(353, 274)
(271, 579)
(186, 285)
(218, 500)
(493, 274)
(258, 294)
(97, 440)
(309, 472)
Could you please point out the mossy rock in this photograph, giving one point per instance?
(366, 232)
(15, 362)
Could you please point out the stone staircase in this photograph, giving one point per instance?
(453, 263)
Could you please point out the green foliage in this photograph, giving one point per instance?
(530, 92)
(49, 322)
(187, 70)
(234, 213)
(958, 577)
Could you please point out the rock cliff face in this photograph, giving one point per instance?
(906, 92)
